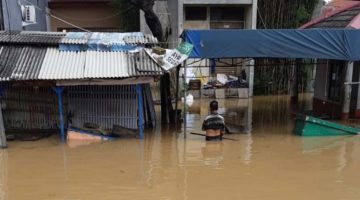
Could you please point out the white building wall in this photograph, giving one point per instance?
(171, 15)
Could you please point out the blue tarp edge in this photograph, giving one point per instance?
(340, 44)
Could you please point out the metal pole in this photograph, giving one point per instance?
(185, 98)
(140, 110)
(177, 96)
(58, 90)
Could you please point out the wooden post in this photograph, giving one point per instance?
(165, 93)
(347, 91)
(3, 143)
(58, 90)
(185, 74)
(2, 131)
(295, 82)
(177, 95)
(140, 110)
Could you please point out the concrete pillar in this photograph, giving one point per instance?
(251, 77)
(180, 17)
(254, 14)
(48, 19)
(249, 116)
(347, 91)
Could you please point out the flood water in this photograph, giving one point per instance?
(267, 162)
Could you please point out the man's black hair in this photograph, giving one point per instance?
(214, 105)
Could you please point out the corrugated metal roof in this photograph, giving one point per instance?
(144, 65)
(65, 65)
(20, 62)
(61, 65)
(146, 39)
(27, 60)
(135, 38)
(106, 65)
(119, 65)
(29, 63)
(31, 37)
(340, 20)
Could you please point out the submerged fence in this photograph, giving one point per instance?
(30, 108)
(103, 105)
(36, 108)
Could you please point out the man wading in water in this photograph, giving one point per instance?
(214, 124)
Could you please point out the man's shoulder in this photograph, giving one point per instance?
(212, 116)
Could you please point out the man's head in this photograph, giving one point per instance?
(214, 106)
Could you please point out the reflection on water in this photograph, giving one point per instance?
(213, 153)
(3, 174)
(267, 162)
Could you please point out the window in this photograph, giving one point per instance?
(227, 14)
(336, 78)
(195, 13)
(227, 17)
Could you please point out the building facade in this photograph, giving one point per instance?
(12, 16)
(332, 97)
(93, 15)
(178, 15)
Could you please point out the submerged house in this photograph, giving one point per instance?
(51, 81)
(331, 75)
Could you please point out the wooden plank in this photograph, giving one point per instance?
(151, 105)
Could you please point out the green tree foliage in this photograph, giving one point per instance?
(273, 76)
(276, 14)
(129, 15)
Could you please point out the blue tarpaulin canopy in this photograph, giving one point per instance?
(339, 44)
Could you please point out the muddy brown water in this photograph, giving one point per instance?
(266, 163)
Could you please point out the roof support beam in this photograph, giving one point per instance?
(59, 90)
(2, 127)
(140, 110)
